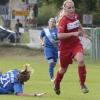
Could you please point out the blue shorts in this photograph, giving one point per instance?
(51, 53)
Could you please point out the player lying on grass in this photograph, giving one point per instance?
(12, 82)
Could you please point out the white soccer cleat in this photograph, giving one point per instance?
(84, 89)
(52, 80)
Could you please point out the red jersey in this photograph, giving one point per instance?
(67, 25)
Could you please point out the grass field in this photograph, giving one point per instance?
(70, 90)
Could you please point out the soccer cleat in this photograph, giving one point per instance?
(52, 79)
(84, 89)
(57, 91)
(57, 88)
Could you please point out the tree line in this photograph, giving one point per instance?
(86, 6)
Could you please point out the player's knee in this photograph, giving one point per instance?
(81, 62)
(62, 70)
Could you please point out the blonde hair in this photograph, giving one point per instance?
(61, 12)
(67, 2)
(52, 20)
(24, 74)
(60, 15)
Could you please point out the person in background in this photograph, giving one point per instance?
(70, 47)
(18, 25)
(49, 41)
(12, 82)
(35, 10)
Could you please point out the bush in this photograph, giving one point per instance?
(45, 12)
(96, 19)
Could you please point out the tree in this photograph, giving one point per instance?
(58, 3)
(81, 5)
(90, 5)
(77, 3)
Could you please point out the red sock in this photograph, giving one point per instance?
(82, 74)
(58, 78)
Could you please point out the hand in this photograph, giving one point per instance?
(42, 45)
(86, 36)
(39, 94)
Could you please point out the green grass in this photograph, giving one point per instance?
(40, 82)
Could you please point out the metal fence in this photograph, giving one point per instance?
(94, 51)
(30, 38)
(92, 48)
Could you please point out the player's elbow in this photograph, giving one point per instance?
(59, 36)
(19, 94)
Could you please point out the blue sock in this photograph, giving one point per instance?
(51, 70)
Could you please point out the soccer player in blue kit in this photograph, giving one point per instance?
(49, 42)
(12, 82)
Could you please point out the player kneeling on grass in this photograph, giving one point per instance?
(12, 82)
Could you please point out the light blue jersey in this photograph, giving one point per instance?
(52, 34)
(50, 48)
(9, 83)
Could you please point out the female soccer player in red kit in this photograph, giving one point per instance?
(70, 46)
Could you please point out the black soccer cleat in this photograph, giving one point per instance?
(57, 88)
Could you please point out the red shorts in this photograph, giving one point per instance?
(66, 56)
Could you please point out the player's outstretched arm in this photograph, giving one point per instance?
(84, 33)
(34, 94)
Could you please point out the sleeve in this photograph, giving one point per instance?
(18, 88)
(42, 34)
(61, 25)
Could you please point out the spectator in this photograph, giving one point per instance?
(18, 25)
(35, 10)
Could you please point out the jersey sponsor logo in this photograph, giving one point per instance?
(73, 25)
